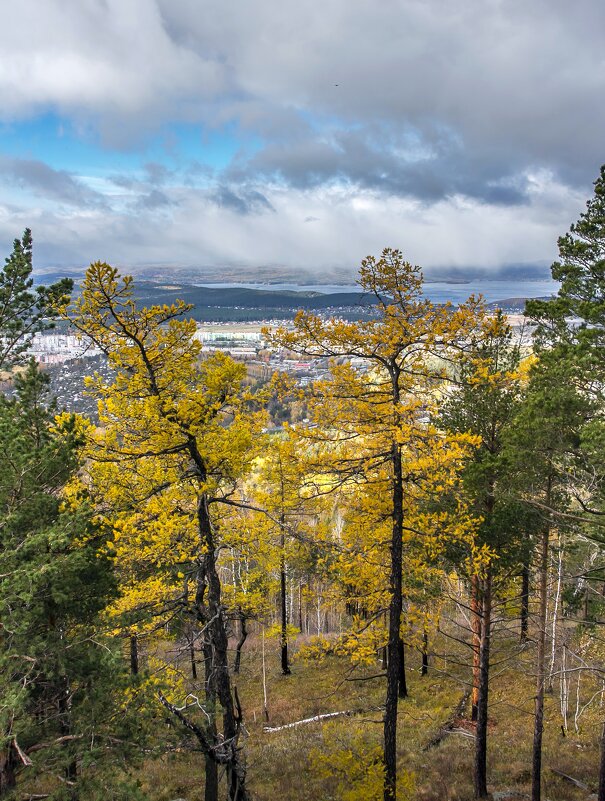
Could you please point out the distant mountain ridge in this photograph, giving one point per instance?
(282, 275)
(235, 303)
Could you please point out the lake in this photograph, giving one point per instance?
(438, 291)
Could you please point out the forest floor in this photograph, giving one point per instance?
(339, 758)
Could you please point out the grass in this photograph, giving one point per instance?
(339, 759)
(295, 763)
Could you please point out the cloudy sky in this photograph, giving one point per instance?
(298, 132)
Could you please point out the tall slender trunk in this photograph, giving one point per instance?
(393, 653)
(425, 652)
(476, 643)
(192, 659)
(8, 766)
(243, 634)
(211, 766)
(601, 793)
(524, 601)
(134, 654)
(403, 686)
(480, 767)
(285, 666)
(210, 614)
(536, 776)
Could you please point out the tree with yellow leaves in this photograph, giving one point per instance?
(372, 415)
(176, 434)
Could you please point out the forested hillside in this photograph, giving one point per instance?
(399, 596)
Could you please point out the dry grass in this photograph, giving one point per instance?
(281, 764)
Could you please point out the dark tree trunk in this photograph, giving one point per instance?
(285, 666)
(243, 634)
(524, 601)
(134, 654)
(403, 687)
(192, 659)
(210, 614)
(425, 653)
(480, 766)
(211, 766)
(536, 776)
(393, 653)
(601, 793)
(476, 643)
(210, 779)
(8, 766)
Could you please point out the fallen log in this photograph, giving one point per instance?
(318, 718)
(570, 779)
(450, 724)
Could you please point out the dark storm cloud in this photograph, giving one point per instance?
(245, 201)
(153, 200)
(358, 158)
(49, 183)
(496, 89)
(157, 174)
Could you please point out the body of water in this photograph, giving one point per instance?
(439, 291)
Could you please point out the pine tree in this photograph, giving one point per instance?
(60, 675)
(570, 341)
(24, 310)
(489, 379)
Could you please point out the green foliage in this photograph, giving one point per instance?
(61, 678)
(24, 309)
(581, 271)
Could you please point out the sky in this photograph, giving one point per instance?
(193, 133)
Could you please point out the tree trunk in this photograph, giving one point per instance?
(601, 794)
(210, 614)
(536, 776)
(425, 653)
(285, 666)
(480, 767)
(192, 658)
(476, 643)
(243, 634)
(403, 687)
(211, 766)
(393, 653)
(134, 654)
(524, 602)
(8, 765)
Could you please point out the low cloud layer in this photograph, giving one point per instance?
(316, 229)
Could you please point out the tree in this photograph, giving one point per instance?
(570, 340)
(277, 490)
(24, 310)
(61, 677)
(490, 378)
(377, 410)
(176, 436)
(541, 447)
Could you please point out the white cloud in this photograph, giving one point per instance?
(465, 133)
(191, 229)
